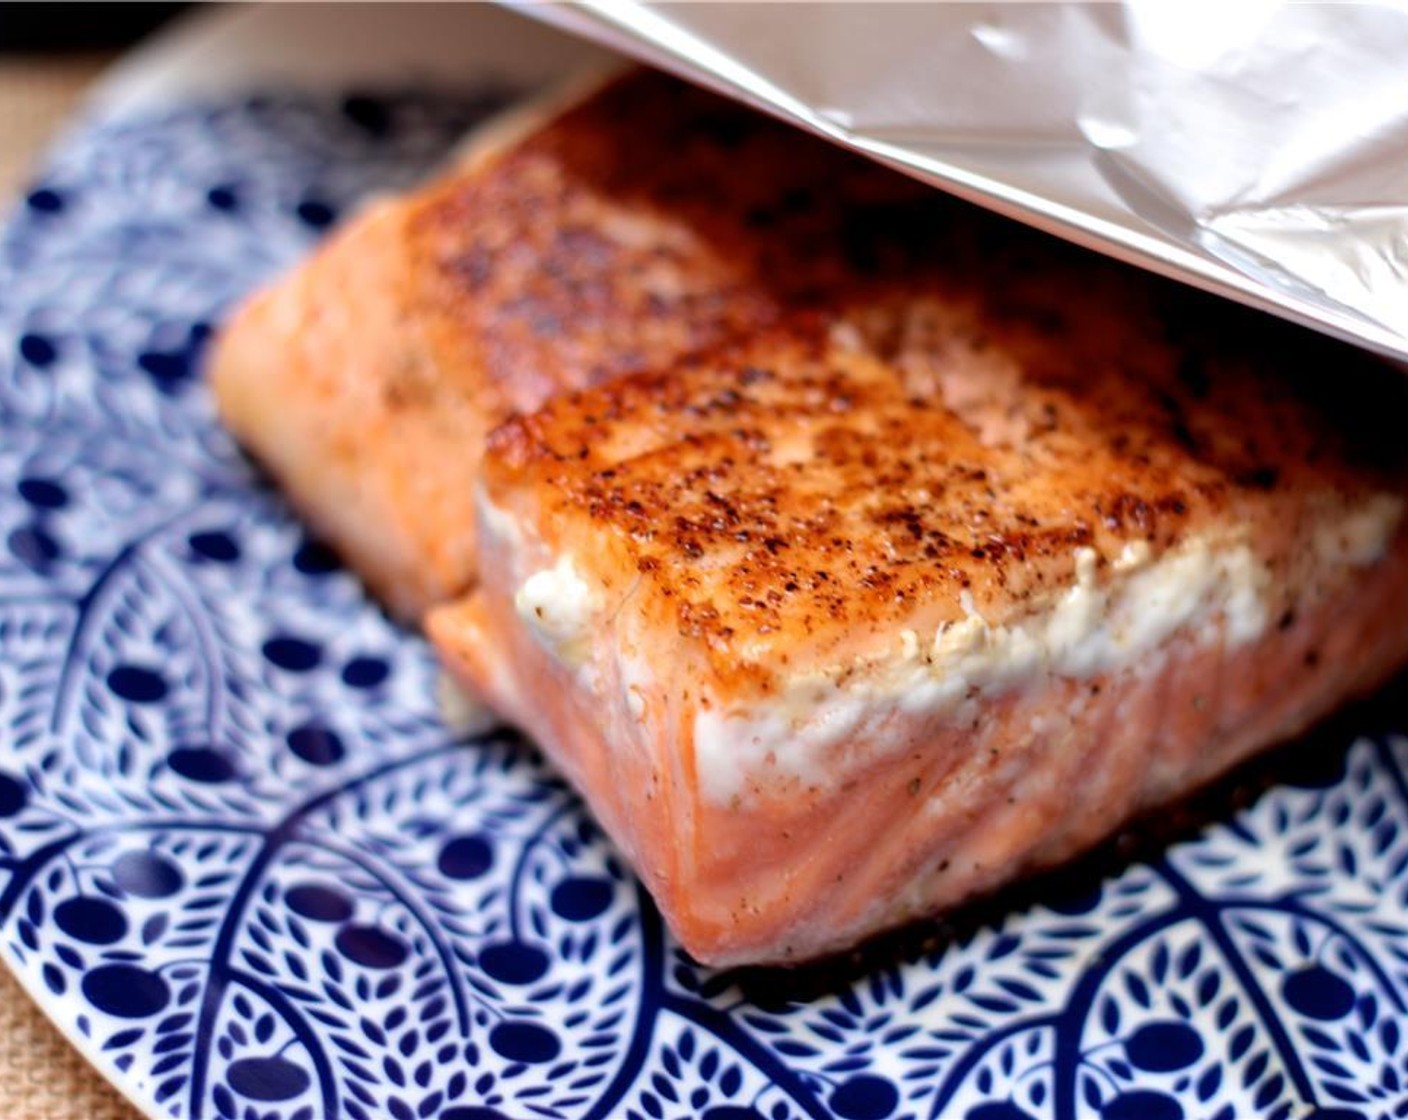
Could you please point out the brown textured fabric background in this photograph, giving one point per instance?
(37, 93)
(41, 1076)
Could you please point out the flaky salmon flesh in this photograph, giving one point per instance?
(853, 552)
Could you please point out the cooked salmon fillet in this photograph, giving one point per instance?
(851, 622)
(896, 550)
(643, 221)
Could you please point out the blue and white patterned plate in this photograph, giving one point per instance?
(248, 871)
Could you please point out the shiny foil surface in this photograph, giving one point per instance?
(1257, 150)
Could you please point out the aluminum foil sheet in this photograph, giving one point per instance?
(1258, 150)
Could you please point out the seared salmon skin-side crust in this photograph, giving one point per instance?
(645, 221)
(871, 614)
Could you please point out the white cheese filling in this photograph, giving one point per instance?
(559, 606)
(1089, 630)
(1362, 536)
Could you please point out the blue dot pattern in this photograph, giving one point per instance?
(243, 860)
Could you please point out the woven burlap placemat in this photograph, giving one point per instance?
(41, 1076)
(37, 94)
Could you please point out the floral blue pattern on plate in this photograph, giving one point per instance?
(247, 869)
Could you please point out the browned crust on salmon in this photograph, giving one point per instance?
(647, 222)
(963, 437)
